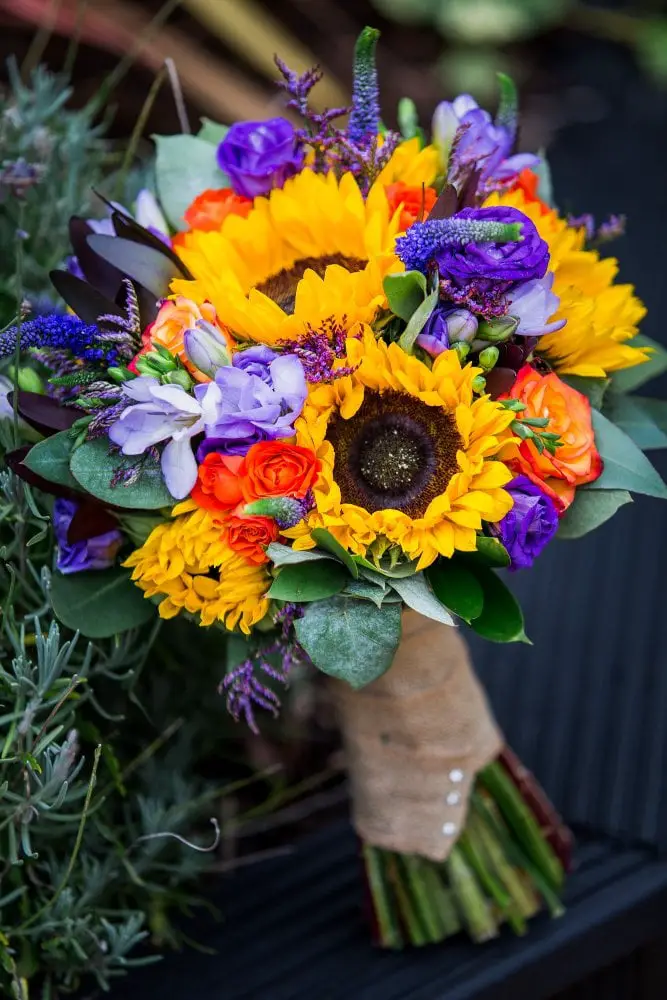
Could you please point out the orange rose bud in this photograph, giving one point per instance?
(218, 486)
(249, 536)
(210, 209)
(416, 202)
(277, 469)
(577, 460)
(528, 182)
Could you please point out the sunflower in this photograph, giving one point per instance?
(312, 251)
(186, 562)
(601, 317)
(407, 454)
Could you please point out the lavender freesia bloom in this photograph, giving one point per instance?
(444, 327)
(532, 303)
(482, 143)
(529, 526)
(161, 413)
(260, 156)
(98, 552)
(240, 408)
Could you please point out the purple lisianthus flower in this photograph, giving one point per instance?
(517, 260)
(256, 361)
(445, 326)
(260, 156)
(482, 143)
(161, 413)
(98, 552)
(532, 303)
(240, 408)
(529, 526)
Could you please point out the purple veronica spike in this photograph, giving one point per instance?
(436, 239)
(365, 115)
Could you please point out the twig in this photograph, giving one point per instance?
(138, 130)
(182, 840)
(179, 100)
(73, 46)
(41, 40)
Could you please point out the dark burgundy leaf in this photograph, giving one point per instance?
(100, 273)
(85, 300)
(91, 519)
(148, 266)
(499, 381)
(468, 197)
(46, 415)
(128, 229)
(446, 205)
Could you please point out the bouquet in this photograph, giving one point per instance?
(341, 378)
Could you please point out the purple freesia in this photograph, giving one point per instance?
(260, 156)
(240, 407)
(446, 325)
(256, 361)
(482, 144)
(98, 552)
(517, 260)
(529, 526)
(532, 303)
(161, 413)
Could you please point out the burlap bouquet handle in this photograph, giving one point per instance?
(415, 739)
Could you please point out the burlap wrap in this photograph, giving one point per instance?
(415, 740)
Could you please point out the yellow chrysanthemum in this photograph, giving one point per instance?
(311, 251)
(407, 454)
(601, 316)
(176, 561)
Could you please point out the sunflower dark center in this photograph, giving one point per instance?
(281, 287)
(394, 453)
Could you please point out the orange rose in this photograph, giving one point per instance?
(277, 469)
(210, 209)
(577, 460)
(528, 182)
(249, 536)
(171, 322)
(416, 201)
(218, 486)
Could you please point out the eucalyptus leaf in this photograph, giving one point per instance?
(501, 619)
(311, 581)
(629, 379)
(405, 292)
(147, 265)
(50, 459)
(349, 639)
(366, 590)
(642, 419)
(99, 604)
(285, 555)
(393, 573)
(185, 166)
(590, 509)
(457, 587)
(93, 468)
(593, 388)
(212, 132)
(418, 321)
(416, 593)
(625, 467)
(326, 541)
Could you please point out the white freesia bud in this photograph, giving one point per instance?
(205, 348)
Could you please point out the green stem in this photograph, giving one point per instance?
(390, 935)
(474, 906)
(19, 237)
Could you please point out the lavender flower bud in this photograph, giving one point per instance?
(443, 128)
(206, 349)
(445, 327)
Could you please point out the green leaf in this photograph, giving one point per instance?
(326, 541)
(93, 467)
(185, 166)
(393, 573)
(457, 588)
(367, 590)
(643, 419)
(408, 119)
(151, 268)
(212, 132)
(350, 639)
(629, 379)
(51, 457)
(416, 593)
(501, 619)
(545, 188)
(593, 388)
(490, 552)
(99, 603)
(590, 509)
(405, 292)
(418, 321)
(285, 555)
(625, 466)
(309, 581)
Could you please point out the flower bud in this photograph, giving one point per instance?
(444, 126)
(479, 384)
(488, 358)
(205, 348)
(286, 511)
(444, 327)
(148, 213)
(156, 364)
(462, 349)
(179, 377)
(495, 331)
